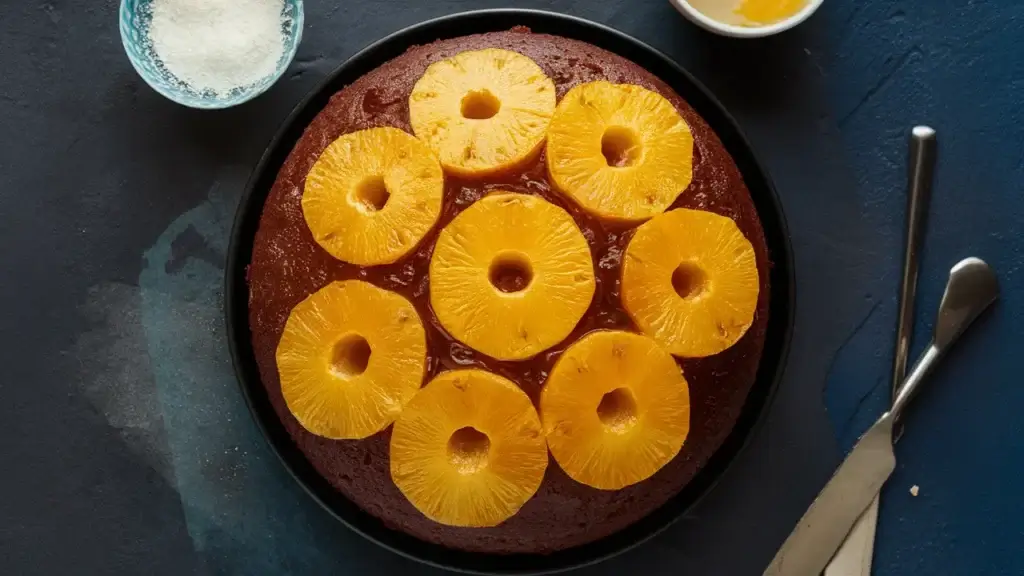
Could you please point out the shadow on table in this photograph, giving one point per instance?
(751, 76)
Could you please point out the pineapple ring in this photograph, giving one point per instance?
(620, 151)
(690, 281)
(351, 356)
(373, 195)
(468, 449)
(482, 111)
(511, 276)
(615, 409)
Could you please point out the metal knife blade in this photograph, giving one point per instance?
(832, 515)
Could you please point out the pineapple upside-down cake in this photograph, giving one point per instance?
(509, 293)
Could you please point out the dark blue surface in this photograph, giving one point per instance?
(125, 434)
(959, 67)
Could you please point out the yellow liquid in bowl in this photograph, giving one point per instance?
(751, 13)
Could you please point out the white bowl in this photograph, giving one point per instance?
(724, 29)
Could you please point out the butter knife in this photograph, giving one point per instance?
(854, 556)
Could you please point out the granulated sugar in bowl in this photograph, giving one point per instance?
(211, 53)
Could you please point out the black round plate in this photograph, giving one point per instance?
(247, 221)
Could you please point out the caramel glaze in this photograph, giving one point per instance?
(287, 266)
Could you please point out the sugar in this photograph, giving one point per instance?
(218, 45)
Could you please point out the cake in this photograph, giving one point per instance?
(289, 265)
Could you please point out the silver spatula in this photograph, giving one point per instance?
(971, 288)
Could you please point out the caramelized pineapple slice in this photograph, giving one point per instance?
(468, 450)
(620, 151)
(373, 195)
(690, 281)
(482, 111)
(350, 357)
(615, 409)
(511, 276)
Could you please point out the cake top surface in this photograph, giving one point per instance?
(288, 265)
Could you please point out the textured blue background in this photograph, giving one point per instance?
(127, 448)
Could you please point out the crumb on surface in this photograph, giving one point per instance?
(914, 490)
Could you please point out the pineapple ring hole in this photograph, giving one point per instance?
(351, 356)
(621, 146)
(370, 194)
(617, 410)
(510, 272)
(468, 450)
(480, 105)
(689, 280)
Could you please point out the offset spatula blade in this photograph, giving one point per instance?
(832, 515)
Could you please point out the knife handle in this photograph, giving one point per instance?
(920, 171)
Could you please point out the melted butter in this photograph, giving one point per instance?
(748, 12)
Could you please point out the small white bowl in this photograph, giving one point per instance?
(724, 29)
